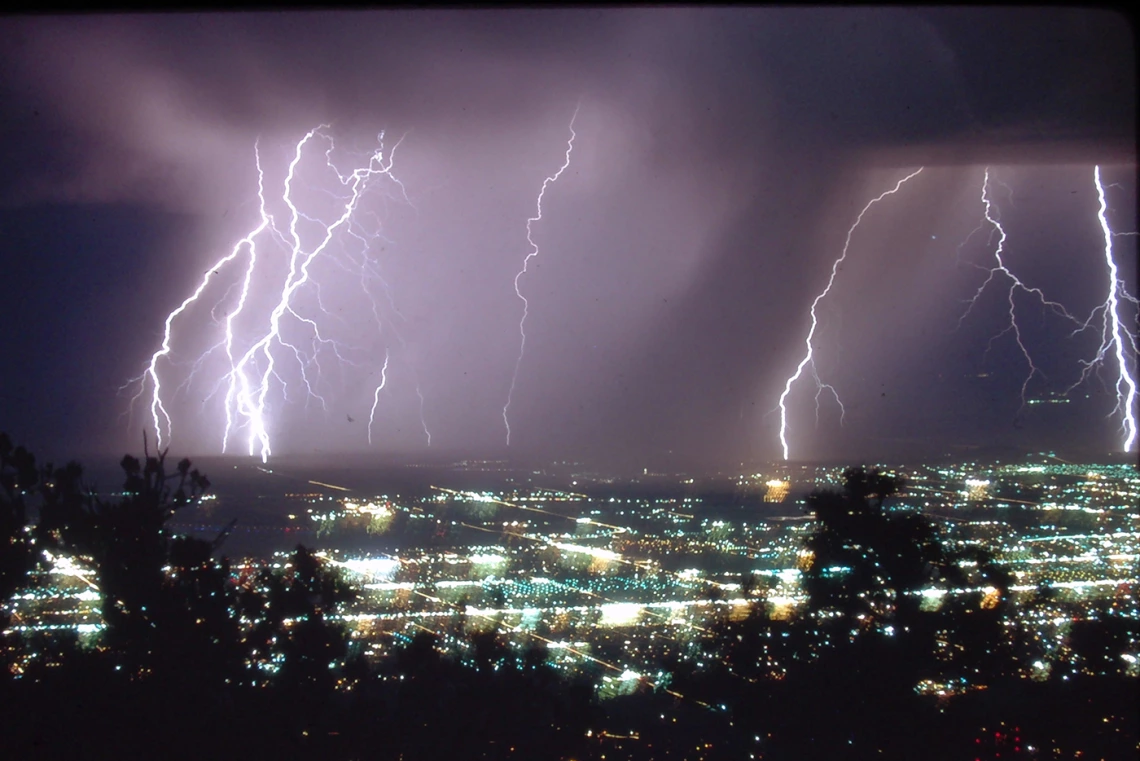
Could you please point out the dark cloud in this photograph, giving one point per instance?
(722, 155)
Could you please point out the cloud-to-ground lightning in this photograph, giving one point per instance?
(993, 218)
(256, 359)
(1115, 338)
(809, 355)
(159, 414)
(376, 395)
(526, 261)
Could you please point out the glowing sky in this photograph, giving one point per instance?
(720, 159)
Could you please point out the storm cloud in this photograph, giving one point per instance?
(721, 156)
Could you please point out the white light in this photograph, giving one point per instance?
(620, 613)
(377, 568)
(595, 551)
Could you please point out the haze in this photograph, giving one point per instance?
(720, 158)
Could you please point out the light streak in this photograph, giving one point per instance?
(1114, 336)
(330, 486)
(258, 356)
(809, 355)
(472, 611)
(526, 261)
(608, 555)
(481, 498)
(504, 628)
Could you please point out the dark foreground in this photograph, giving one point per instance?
(194, 663)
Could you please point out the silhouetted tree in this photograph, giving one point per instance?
(263, 662)
(291, 631)
(864, 560)
(18, 475)
(1098, 642)
(149, 614)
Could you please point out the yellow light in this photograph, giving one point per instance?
(777, 490)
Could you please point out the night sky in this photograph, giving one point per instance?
(720, 158)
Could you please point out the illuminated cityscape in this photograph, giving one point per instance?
(654, 384)
(614, 581)
(636, 585)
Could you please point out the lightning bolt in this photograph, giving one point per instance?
(256, 367)
(809, 355)
(376, 395)
(159, 414)
(369, 271)
(266, 221)
(1115, 338)
(993, 218)
(526, 261)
